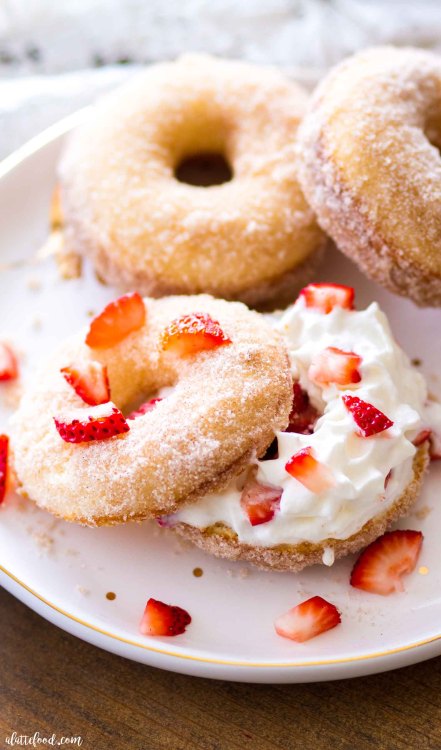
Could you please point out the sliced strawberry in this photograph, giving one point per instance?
(260, 501)
(325, 297)
(117, 320)
(335, 366)
(97, 423)
(8, 362)
(368, 419)
(163, 619)
(144, 408)
(193, 333)
(4, 450)
(314, 475)
(303, 415)
(422, 436)
(308, 619)
(89, 380)
(381, 565)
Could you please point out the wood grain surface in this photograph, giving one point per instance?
(51, 682)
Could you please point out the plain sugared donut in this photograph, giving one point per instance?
(370, 167)
(253, 238)
(225, 405)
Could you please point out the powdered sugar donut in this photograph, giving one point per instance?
(353, 457)
(252, 238)
(370, 167)
(78, 456)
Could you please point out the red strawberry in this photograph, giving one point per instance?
(335, 366)
(422, 436)
(89, 380)
(381, 565)
(303, 415)
(314, 475)
(117, 320)
(325, 297)
(163, 619)
(144, 408)
(4, 449)
(97, 423)
(193, 333)
(8, 362)
(370, 420)
(260, 501)
(308, 619)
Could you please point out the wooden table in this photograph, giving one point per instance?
(51, 682)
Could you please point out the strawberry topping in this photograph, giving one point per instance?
(335, 366)
(193, 333)
(325, 297)
(97, 423)
(4, 449)
(144, 408)
(303, 415)
(314, 475)
(8, 362)
(368, 419)
(117, 320)
(260, 501)
(380, 567)
(308, 619)
(89, 380)
(163, 619)
(422, 436)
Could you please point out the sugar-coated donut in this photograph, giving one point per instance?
(225, 404)
(370, 166)
(354, 454)
(253, 238)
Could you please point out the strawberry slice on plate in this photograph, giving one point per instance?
(333, 365)
(324, 297)
(144, 408)
(308, 619)
(303, 415)
(97, 423)
(4, 449)
(193, 333)
(380, 567)
(260, 502)
(89, 381)
(163, 619)
(118, 319)
(369, 419)
(314, 475)
(8, 362)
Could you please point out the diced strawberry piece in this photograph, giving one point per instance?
(8, 362)
(89, 380)
(422, 436)
(303, 415)
(193, 333)
(163, 619)
(335, 366)
(144, 408)
(380, 567)
(4, 450)
(97, 423)
(260, 501)
(325, 297)
(308, 619)
(314, 475)
(368, 419)
(117, 320)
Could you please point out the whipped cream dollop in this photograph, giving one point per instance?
(360, 465)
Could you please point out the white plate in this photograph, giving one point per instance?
(64, 572)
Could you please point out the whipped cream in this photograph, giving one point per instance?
(360, 465)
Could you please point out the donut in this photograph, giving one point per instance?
(370, 167)
(84, 449)
(352, 459)
(252, 238)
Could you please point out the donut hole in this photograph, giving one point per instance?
(204, 170)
